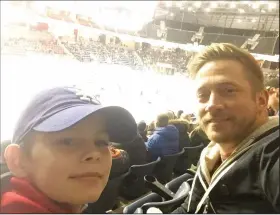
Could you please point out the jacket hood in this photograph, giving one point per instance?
(169, 132)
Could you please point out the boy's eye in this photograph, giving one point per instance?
(102, 143)
(67, 142)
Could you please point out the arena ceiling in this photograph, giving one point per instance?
(257, 15)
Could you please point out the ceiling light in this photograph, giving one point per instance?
(232, 5)
(189, 8)
(263, 11)
(271, 5)
(239, 20)
(207, 9)
(255, 6)
(240, 10)
(254, 20)
(168, 3)
(179, 3)
(171, 14)
(214, 4)
(197, 4)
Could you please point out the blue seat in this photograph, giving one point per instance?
(190, 156)
(155, 200)
(134, 186)
(108, 198)
(164, 169)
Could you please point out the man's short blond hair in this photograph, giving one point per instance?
(227, 51)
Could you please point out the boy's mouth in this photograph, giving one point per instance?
(87, 175)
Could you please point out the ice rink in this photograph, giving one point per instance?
(145, 94)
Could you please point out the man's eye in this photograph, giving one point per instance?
(202, 95)
(229, 90)
(102, 143)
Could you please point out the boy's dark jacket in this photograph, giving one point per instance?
(249, 185)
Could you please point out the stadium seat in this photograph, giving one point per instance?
(190, 156)
(108, 198)
(131, 208)
(155, 199)
(5, 180)
(170, 205)
(134, 185)
(164, 169)
(4, 168)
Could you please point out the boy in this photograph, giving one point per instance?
(60, 157)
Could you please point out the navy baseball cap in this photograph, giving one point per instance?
(59, 108)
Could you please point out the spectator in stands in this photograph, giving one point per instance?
(239, 170)
(142, 129)
(183, 127)
(272, 87)
(179, 113)
(120, 162)
(136, 150)
(165, 139)
(151, 129)
(189, 119)
(60, 157)
(171, 115)
(198, 137)
(186, 116)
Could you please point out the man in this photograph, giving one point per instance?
(179, 113)
(198, 136)
(272, 87)
(120, 162)
(60, 156)
(135, 149)
(182, 127)
(142, 130)
(238, 171)
(165, 139)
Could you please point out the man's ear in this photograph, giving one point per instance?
(15, 160)
(262, 99)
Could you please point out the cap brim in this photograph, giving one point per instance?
(121, 125)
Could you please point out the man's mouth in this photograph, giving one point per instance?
(217, 120)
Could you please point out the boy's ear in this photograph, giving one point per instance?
(15, 160)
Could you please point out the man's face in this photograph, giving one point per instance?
(71, 166)
(227, 106)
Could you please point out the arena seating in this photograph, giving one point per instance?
(17, 45)
(88, 50)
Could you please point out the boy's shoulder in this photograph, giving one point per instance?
(19, 196)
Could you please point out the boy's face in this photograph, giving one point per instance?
(71, 166)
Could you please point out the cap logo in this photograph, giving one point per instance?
(85, 95)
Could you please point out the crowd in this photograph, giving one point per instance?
(176, 57)
(50, 46)
(66, 146)
(90, 50)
